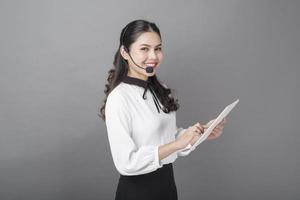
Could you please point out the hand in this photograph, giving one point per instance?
(196, 138)
(190, 136)
(217, 131)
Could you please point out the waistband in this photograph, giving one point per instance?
(165, 170)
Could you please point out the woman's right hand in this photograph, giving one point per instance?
(189, 135)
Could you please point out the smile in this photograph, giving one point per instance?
(151, 64)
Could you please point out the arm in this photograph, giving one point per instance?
(186, 151)
(167, 149)
(128, 158)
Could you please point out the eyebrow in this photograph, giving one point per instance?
(149, 45)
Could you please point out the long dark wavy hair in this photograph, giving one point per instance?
(129, 35)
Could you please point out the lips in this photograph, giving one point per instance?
(151, 64)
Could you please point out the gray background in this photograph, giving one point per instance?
(55, 56)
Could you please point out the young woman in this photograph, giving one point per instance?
(140, 116)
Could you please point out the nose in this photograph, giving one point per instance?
(152, 55)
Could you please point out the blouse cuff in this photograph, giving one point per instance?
(157, 162)
(187, 150)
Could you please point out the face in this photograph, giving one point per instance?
(145, 51)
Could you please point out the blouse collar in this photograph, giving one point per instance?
(136, 81)
(144, 84)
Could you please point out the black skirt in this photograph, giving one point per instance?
(157, 185)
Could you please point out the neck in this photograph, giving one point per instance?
(139, 76)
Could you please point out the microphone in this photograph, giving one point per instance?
(148, 69)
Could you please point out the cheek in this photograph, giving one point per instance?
(141, 57)
(160, 56)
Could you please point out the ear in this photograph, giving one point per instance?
(123, 53)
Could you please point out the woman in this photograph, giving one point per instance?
(140, 115)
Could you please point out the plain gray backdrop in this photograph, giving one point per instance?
(55, 56)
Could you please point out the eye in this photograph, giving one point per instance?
(144, 49)
(158, 49)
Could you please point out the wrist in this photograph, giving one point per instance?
(175, 145)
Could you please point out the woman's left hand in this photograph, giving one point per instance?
(217, 131)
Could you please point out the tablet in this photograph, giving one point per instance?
(207, 132)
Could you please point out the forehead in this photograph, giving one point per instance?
(151, 38)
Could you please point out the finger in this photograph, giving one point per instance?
(224, 120)
(213, 132)
(218, 127)
(219, 132)
(216, 134)
(216, 130)
(195, 129)
(197, 132)
(220, 123)
(213, 136)
(205, 126)
(201, 128)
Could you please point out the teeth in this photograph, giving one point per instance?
(151, 65)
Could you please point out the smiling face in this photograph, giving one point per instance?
(145, 51)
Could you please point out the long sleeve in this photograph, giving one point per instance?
(188, 149)
(128, 158)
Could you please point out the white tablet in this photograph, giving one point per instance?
(207, 132)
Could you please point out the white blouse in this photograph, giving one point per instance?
(136, 128)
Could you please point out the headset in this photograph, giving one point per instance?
(148, 69)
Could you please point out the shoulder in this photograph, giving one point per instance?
(118, 95)
(116, 107)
